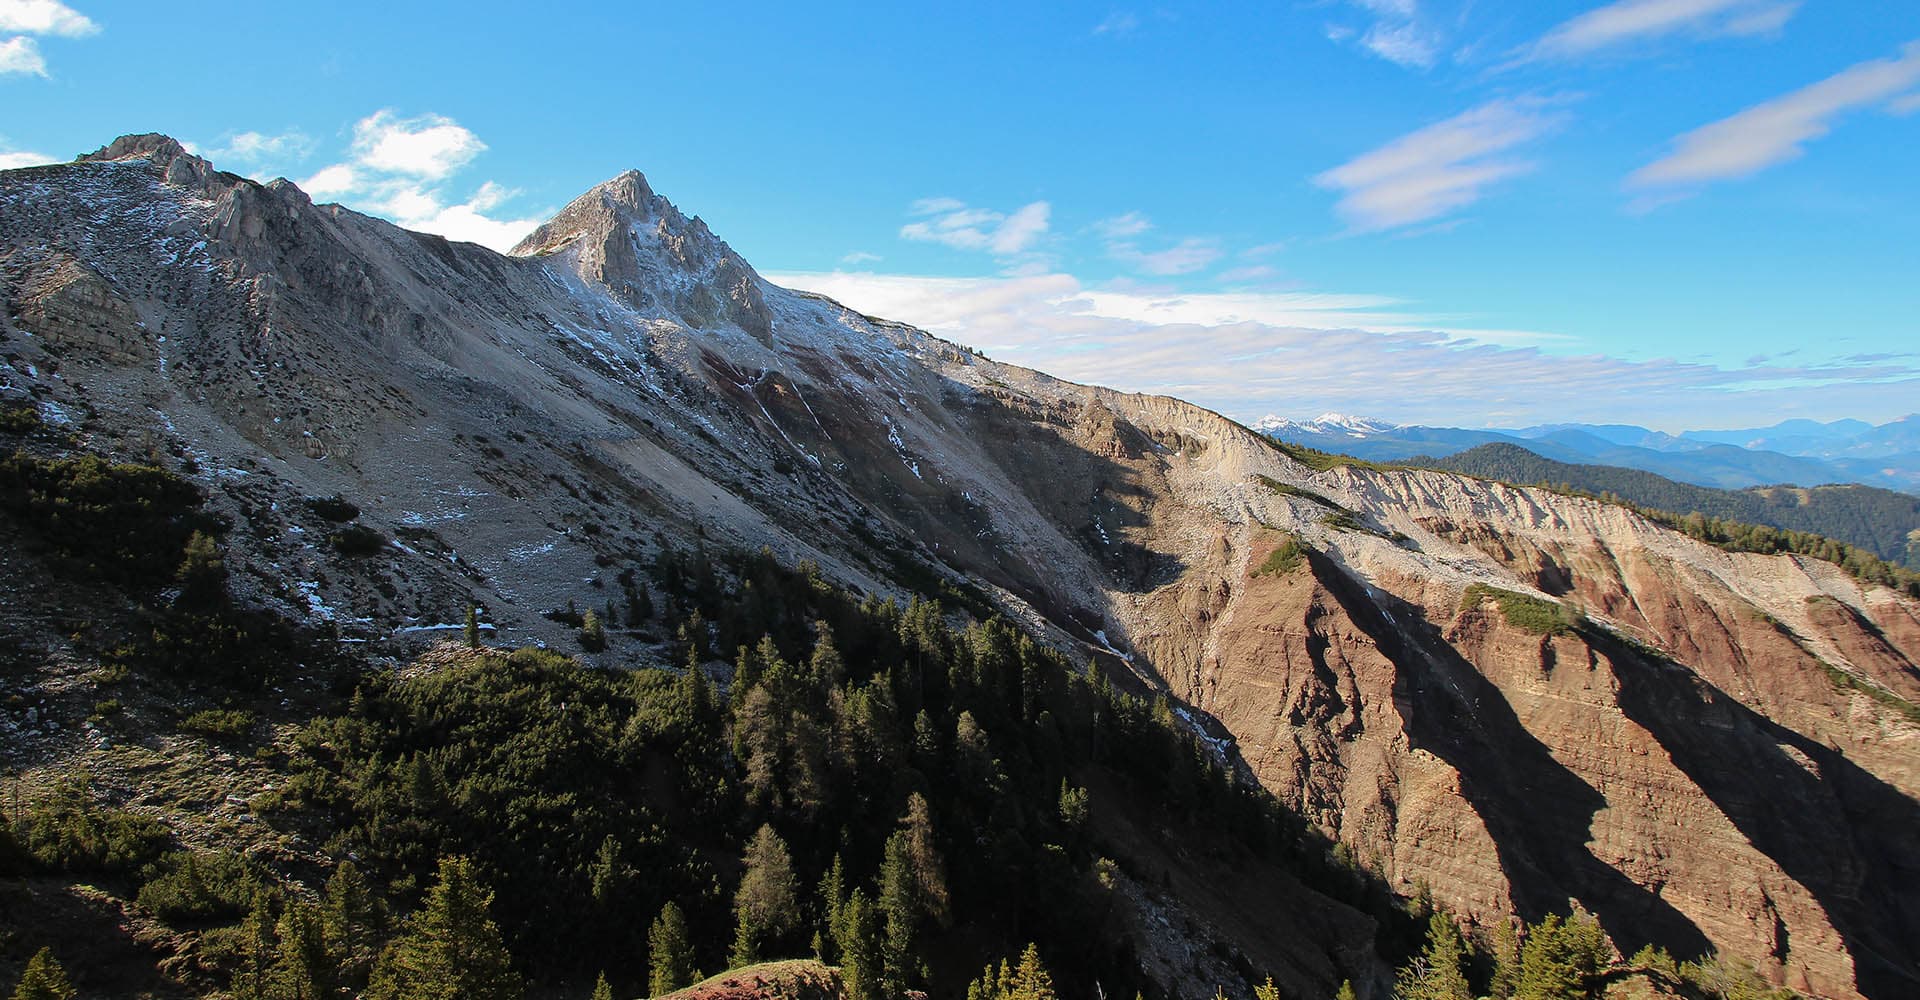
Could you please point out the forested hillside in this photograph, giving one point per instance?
(1884, 522)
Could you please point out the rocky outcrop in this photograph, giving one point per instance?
(73, 308)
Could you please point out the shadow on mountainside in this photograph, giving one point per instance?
(1539, 813)
(1849, 838)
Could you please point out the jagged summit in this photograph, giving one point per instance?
(177, 164)
(624, 237)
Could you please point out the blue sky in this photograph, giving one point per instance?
(1681, 213)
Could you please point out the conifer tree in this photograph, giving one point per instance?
(44, 979)
(302, 968)
(1031, 980)
(670, 950)
(833, 900)
(251, 981)
(900, 910)
(1346, 991)
(473, 627)
(1562, 959)
(1266, 991)
(593, 636)
(1436, 974)
(763, 906)
(601, 989)
(350, 921)
(203, 573)
(929, 872)
(1027, 980)
(451, 949)
(858, 938)
(1506, 960)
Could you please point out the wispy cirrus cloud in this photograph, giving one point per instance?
(1120, 22)
(25, 19)
(403, 168)
(1247, 354)
(1778, 130)
(1626, 22)
(1185, 257)
(951, 222)
(1398, 31)
(1121, 234)
(1441, 168)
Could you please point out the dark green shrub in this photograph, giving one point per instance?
(358, 540)
(67, 831)
(19, 420)
(1524, 611)
(219, 723)
(124, 524)
(1285, 558)
(200, 887)
(335, 508)
(229, 646)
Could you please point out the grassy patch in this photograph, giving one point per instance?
(1285, 557)
(1345, 520)
(1289, 490)
(1525, 612)
(1321, 461)
(1847, 682)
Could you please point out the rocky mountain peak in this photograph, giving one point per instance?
(635, 245)
(166, 153)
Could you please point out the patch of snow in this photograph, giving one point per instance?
(310, 590)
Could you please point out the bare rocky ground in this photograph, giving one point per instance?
(521, 430)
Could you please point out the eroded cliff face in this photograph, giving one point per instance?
(1705, 765)
(1700, 765)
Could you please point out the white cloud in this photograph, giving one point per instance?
(952, 223)
(428, 146)
(1628, 21)
(1187, 256)
(259, 147)
(1407, 44)
(1396, 31)
(1249, 274)
(859, 257)
(1437, 169)
(20, 54)
(1119, 22)
(1249, 354)
(935, 206)
(332, 181)
(1905, 105)
(15, 159)
(400, 169)
(1777, 130)
(1022, 229)
(45, 17)
(1121, 227)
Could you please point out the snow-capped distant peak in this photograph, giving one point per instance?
(1325, 423)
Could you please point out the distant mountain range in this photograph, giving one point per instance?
(1884, 522)
(1795, 452)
